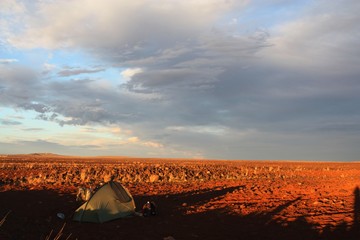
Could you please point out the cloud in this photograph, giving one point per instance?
(322, 39)
(47, 68)
(77, 71)
(133, 140)
(212, 130)
(153, 144)
(128, 73)
(7, 61)
(160, 22)
(18, 85)
(37, 107)
(9, 122)
(33, 129)
(11, 6)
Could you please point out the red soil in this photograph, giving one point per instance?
(246, 200)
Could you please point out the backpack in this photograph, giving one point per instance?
(149, 209)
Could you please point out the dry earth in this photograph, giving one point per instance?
(196, 199)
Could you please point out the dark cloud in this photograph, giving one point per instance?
(37, 107)
(77, 71)
(18, 85)
(33, 129)
(9, 122)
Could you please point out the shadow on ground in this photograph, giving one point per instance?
(33, 216)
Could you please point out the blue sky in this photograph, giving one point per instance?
(208, 79)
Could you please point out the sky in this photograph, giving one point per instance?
(204, 79)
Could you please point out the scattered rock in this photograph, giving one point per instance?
(154, 178)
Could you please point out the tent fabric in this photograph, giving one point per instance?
(109, 202)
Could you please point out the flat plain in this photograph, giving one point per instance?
(196, 199)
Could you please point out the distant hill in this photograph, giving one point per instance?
(44, 154)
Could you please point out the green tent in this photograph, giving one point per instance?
(110, 201)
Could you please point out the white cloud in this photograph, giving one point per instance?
(7, 61)
(48, 68)
(128, 73)
(213, 130)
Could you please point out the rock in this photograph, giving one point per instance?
(83, 175)
(171, 177)
(154, 178)
(107, 178)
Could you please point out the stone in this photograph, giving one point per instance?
(154, 178)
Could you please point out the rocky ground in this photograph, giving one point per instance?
(196, 199)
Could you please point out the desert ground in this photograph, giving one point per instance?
(196, 199)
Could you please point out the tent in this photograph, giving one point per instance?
(110, 201)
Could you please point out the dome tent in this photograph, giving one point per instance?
(110, 201)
